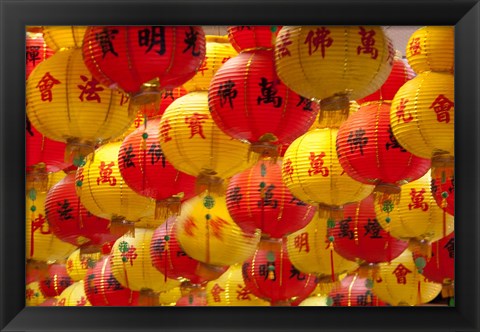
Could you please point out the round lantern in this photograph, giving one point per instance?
(36, 51)
(66, 104)
(133, 268)
(102, 289)
(129, 56)
(247, 38)
(312, 250)
(257, 198)
(270, 275)
(314, 301)
(170, 259)
(369, 153)
(249, 102)
(431, 48)
(230, 290)
(313, 174)
(218, 51)
(333, 63)
(422, 115)
(400, 284)
(59, 38)
(195, 145)
(400, 74)
(103, 191)
(207, 233)
(145, 169)
(354, 291)
(69, 219)
(33, 294)
(77, 265)
(55, 280)
(359, 235)
(74, 296)
(416, 215)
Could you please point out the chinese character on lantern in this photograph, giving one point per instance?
(235, 195)
(29, 294)
(264, 271)
(227, 92)
(90, 89)
(124, 98)
(188, 226)
(138, 120)
(128, 252)
(164, 129)
(156, 154)
(442, 106)
(373, 228)
(32, 54)
(268, 93)
(415, 47)
(401, 111)
(195, 122)
(393, 141)
(151, 36)
(82, 302)
(401, 273)
(282, 44)
(216, 290)
(65, 210)
(297, 201)
(113, 283)
(106, 174)
(217, 225)
(45, 85)
(357, 140)
(345, 230)
(307, 104)
(191, 41)
(127, 157)
(318, 38)
(105, 38)
(364, 300)
(203, 67)
(91, 283)
(418, 200)
(40, 223)
(450, 246)
(367, 43)
(337, 299)
(288, 168)
(243, 293)
(391, 54)
(267, 196)
(316, 164)
(301, 242)
(158, 245)
(294, 273)
(225, 59)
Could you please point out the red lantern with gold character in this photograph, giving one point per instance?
(55, 280)
(245, 38)
(354, 291)
(36, 51)
(129, 56)
(257, 198)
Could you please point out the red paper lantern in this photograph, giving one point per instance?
(69, 220)
(55, 280)
(270, 275)
(169, 258)
(360, 236)
(36, 51)
(249, 102)
(369, 153)
(102, 289)
(400, 74)
(129, 56)
(145, 169)
(354, 291)
(443, 191)
(244, 38)
(257, 198)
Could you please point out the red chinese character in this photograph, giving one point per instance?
(418, 200)
(225, 59)
(216, 290)
(391, 54)
(318, 38)
(367, 43)
(442, 106)
(80, 175)
(81, 302)
(45, 85)
(288, 168)
(164, 129)
(203, 67)
(283, 42)
(415, 47)
(217, 226)
(124, 99)
(90, 89)
(195, 124)
(189, 226)
(84, 263)
(401, 272)
(316, 163)
(130, 255)
(61, 303)
(69, 265)
(243, 293)
(41, 223)
(29, 294)
(401, 111)
(106, 174)
(301, 242)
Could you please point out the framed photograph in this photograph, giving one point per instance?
(17, 197)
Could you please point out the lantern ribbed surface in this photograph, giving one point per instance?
(257, 198)
(321, 61)
(369, 152)
(314, 301)
(431, 48)
(207, 233)
(55, 280)
(193, 143)
(244, 37)
(353, 292)
(230, 290)
(422, 114)
(36, 51)
(249, 102)
(77, 265)
(103, 191)
(416, 214)
(63, 37)
(65, 102)
(33, 294)
(74, 296)
(312, 171)
(312, 251)
(400, 284)
(129, 56)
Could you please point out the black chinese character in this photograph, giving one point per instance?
(127, 157)
(105, 38)
(154, 35)
(32, 54)
(373, 228)
(297, 201)
(245, 267)
(156, 152)
(357, 140)
(267, 197)
(227, 92)
(181, 253)
(28, 127)
(268, 93)
(345, 228)
(364, 300)
(113, 283)
(191, 41)
(393, 141)
(158, 245)
(307, 104)
(450, 246)
(337, 300)
(65, 210)
(264, 271)
(296, 273)
(235, 196)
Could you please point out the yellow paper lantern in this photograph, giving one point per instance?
(422, 115)
(61, 37)
(77, 265)
(207, 233)
(327, 62)
(313, 174)
(230, 290)
(312, 250)
(74, 296)
(105, 194)
(33, 294)
(218, 51)
(194, 144)
(416, 215)
(400, 284)
(65, 103)
(431, 48)
(314, 301)
(132, 265)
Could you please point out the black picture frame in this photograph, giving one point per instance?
(15, 15)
